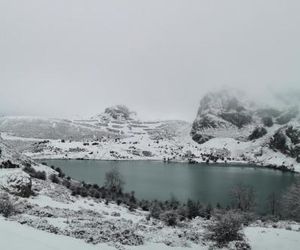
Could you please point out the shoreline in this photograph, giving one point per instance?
(203, 163)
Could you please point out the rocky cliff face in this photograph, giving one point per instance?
(123, 122)
(226, 115)
(120, 112)
(287, 141)
(222, 114)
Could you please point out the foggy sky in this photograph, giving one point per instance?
(73, 57)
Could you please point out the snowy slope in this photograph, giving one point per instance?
(30, 238)
(271, 238)
(36, 127)
(227, 128)
(258, 134)
(14, 236)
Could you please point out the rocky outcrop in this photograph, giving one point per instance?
(287, 141)
(226, 115)
(16, 182)
(258, 132)
(220, 110)
(12, 178)
(120, 112)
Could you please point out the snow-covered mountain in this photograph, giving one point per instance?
(117, 133)
(259, 131)
(115, 122)
(124, 123)
(112, 226)
(228, 128)
(223, 114)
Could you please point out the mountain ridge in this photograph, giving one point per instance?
(227, 128)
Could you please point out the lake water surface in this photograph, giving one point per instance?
(157, 180)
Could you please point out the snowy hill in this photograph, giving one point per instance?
(36, 127)
(228, 128)
(115, 122)
(257, 134)
(115, 134)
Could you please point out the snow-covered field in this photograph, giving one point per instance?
(14, 236)
(272, 238)
(142, 147)
(53, 220)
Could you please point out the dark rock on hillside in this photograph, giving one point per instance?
(201, 138)
(257, 133)
(267, 121)
(119, 112)
(207, 122)
(238, 119)
(295, 152)
(293, 134)
(220, 110)
(278, 141)
(287, 141)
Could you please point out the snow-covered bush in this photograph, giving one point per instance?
(226, 228)
(169, 217)
(61, 174)
(35, 174)
(17, 182)
(54, 178)
(128, 237)
(6, 206)
(8, 164)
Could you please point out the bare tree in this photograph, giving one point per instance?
(243, 197)
(273, 203)
(290, 202)
(114, 180)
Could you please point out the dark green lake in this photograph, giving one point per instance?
(206, 183)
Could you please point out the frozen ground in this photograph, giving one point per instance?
(14, 236)
(272, 238)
